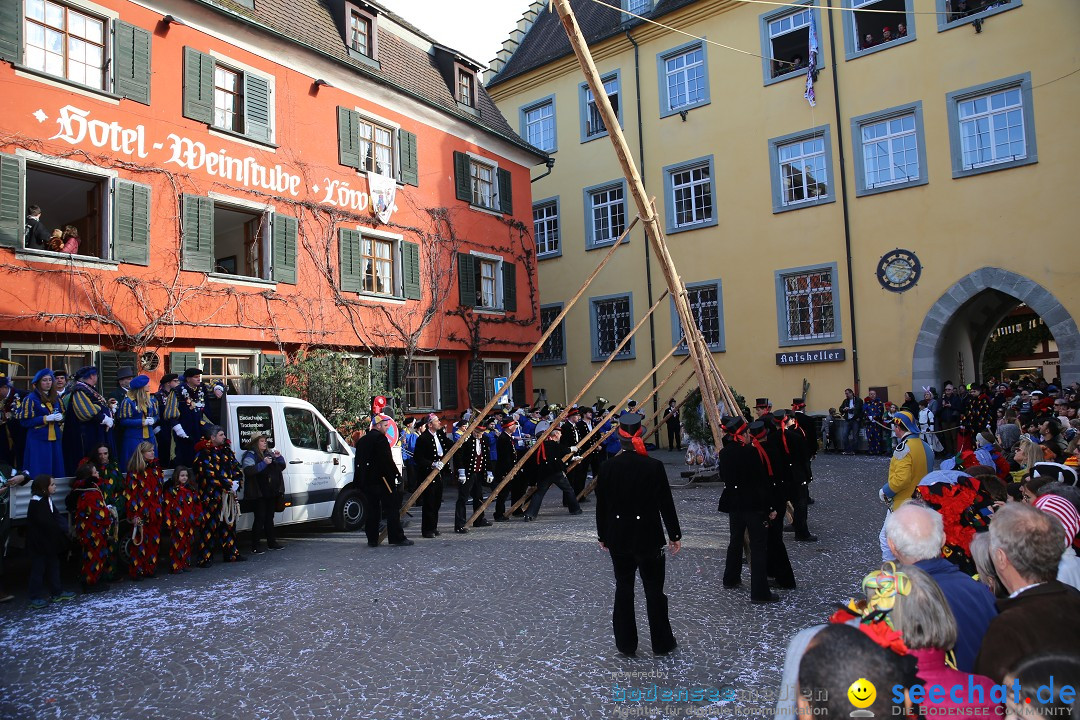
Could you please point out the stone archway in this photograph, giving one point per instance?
(979, 301)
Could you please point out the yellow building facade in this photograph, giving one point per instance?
(873, 240)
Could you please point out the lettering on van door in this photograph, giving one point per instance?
(254, 421)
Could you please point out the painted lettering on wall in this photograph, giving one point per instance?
(77, 127)
(813, 356)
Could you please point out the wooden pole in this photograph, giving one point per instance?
(646, 211)
(606, 418)
(407, 505)
(562, 415)
(591, 486)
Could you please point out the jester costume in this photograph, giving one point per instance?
(93, 524)
(874, 410)
(215, 470)
(12, 435)
(977, 414)
(44, 452)
(182, 514)
(965, 509)
(111, 483)
(143, 495)
(133, 428)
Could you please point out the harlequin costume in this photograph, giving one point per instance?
(215, 471)
(183, 512)
(132, 420)
(965, 509)
(874, 410)
(111, 484)
(143, 494)
(44, 452)
(93, 529)
(12, 434)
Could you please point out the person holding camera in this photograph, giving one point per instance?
(264, 471)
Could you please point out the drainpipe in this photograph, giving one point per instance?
(550, 162)
(844, 200)
(648, 259)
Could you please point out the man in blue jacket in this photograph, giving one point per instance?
(915, 534)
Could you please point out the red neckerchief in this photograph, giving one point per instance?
(635, 441)
(783, 436)
(541, 453)
(761, 452)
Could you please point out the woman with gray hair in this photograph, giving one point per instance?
(916, 608)
(980, 553)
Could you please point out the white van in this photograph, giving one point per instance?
(319, 464)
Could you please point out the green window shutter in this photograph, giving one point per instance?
(284, 240)
(11, 23)
(198, 246)
(379, 374)
(410, 269)
(12, 207)
(352, 272)
(258, 108)
(268, 360)
(348, 137)
(407, 161)
(518, 391)
(466, 266)
(462, 180)
(395, 365)
(506, 199)
(448, 390)
(509, 273)
(198, 86)
(131, 62)
(181, 361)
(131, 223)
(108, 365)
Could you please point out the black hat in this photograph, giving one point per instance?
(631, 421)
(60, 373)
(762, 403)
(125, 372)
(798, 404)
(168, 377)
(192, 372)
(734, 425)
(758, 429)
(780, 414)
(632, 404)
(575, 410)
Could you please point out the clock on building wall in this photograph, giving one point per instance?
(898, 270)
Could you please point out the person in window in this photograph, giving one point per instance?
(797, 63)
(901, 30)
(265, 482)
(87, 421)
(886, 35)
(70, 240)
(40, 415)
(868, 41)
(36, 234)
(138, 414)
(960, 9)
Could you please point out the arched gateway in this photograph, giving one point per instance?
(959, 325)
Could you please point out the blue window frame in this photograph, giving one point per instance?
(890, 149)
(611, 317)
(865, 32)
(808, 305)
(538, 124)
(785, 36)
(683, 74)
(553, 351)
(801, 169)
(957, 13)
(546, 228)
(592, 125)
(605, 213)
(707, 304)
(992, 126)
(690, 195)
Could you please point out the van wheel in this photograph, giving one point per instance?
(349, 511)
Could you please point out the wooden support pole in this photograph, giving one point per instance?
(606, 418)
(407, 505)
(562, 415)
(647, 212)
(591, 486)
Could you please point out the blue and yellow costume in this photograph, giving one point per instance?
(87, 420)
(44, 453)
(132, 416)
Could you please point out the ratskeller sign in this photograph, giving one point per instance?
(814, 356)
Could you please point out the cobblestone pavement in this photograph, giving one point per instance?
(508, 621)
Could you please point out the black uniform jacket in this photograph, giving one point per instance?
(634, 505)
(375, 461)
(425, 454)
(746, 483)
(506, 453)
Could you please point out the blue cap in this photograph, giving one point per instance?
(85, 372)
(43, 372)
(4, 382)
(907, 420)
(139, 381)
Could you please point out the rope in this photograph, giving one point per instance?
(136, 531)
(230, 508)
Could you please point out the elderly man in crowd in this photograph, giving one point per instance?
(915, 535)
(1041, 614)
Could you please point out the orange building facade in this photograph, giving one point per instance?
(249, 179)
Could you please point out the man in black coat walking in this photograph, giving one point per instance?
(381, 483)
(551, 470)
(746, 501)
(431, 445)
(633, 506)
(473, 462)
(506, 456)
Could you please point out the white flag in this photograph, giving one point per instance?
(382, 189)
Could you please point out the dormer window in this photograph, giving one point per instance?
(361, 32)
(466, 87)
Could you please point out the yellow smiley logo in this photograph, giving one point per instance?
(862, 693)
